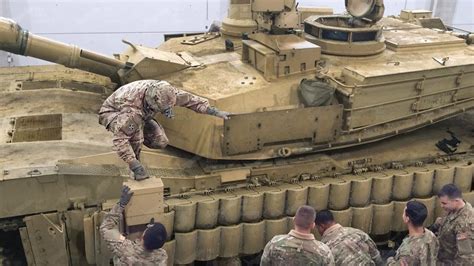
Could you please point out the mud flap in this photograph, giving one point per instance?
(46, 240)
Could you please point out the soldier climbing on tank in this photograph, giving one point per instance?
(298, 247)
(420, 247)
(146, 251)
(349, 246)
(455, 231)
(128, 113)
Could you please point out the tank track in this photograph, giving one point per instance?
(245, 219)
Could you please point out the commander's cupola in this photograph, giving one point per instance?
(355, 34)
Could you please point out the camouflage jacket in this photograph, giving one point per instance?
(417, 250)
(296, 249)
(127, 107)
(351, 246)
(456, 237)
(127, 252)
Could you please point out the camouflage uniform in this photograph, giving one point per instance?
(351, 246)
(417, 250)
(456, 237)
(127, 252)
(296, 249)
(130, 118)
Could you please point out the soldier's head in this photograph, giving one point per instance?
(324, 220)
(450, 198)
(154, 237)
(304, 219)
(160, 97)
(415, 213)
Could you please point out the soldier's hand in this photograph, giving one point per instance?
(138, 170)
(437, 224)
(126, 196)
(216, 112)
(223, 114)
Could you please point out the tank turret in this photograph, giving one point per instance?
(346, 80)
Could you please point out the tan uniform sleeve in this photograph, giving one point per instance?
(330, 260)
(191, 101)
(109, 230)
(265, 258)
(162, 258)
(397, 262)
(436, 225)
(374, 252)
(404, 256)
(464, 243)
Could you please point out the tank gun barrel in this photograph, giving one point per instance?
(15, 39)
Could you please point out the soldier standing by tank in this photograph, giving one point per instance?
(299, 247)
(349, 246)
(146, 251)
(128, 113)
(455, 230)
(420, 247)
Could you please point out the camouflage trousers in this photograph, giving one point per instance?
(152, 135)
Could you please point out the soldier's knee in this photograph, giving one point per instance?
(152, 128)
(156, 138)
(157, 143)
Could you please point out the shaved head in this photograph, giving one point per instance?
(304, 217)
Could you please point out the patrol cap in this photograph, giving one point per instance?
(160, 95)
(154, 236)
(304, 216)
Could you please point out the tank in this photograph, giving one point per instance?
(322, 106)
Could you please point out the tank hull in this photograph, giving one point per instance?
(208, 203)
(230, 186)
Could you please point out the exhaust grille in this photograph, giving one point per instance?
(37, 128)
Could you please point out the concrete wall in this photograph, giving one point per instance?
(456, 13)
(100, 25)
